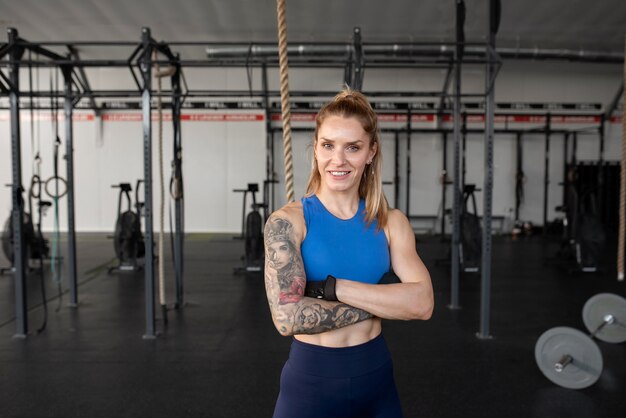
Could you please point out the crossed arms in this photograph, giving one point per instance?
(292, 312)
(285, 281)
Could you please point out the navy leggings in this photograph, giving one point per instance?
(338, 382)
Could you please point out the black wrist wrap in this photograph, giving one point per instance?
(329, 288)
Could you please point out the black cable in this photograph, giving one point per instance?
(35, 193)
(55, 197)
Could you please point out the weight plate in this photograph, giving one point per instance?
(586, 365)
(597, 308)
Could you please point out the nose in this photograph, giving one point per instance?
(338, 156)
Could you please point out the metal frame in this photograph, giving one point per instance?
(9, 85)
(353, 56)
(490, 76)
(456, 176)
(17, 213)
(145, 66)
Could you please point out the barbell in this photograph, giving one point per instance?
(571, 358)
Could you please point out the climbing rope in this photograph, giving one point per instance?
(162, 187)
(161, 264)
(622, 195)
(284, 97)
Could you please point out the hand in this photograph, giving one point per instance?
(322, 289)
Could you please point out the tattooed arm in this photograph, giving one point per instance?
(285, 280)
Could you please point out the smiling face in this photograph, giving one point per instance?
(342, 151)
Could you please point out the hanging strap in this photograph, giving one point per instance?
(622, 195)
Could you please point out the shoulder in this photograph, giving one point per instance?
(397, 219)
(398, 225)
(289, 216)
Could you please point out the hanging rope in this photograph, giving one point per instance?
(284, 97)
(622, 195)
(162, 188)
(159, 74)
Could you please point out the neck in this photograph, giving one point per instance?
(343, 205)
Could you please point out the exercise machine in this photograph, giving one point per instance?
(128, 241)
(470, 243)
(584, 232)
(471, 232)
(252, 230)
(36, 245)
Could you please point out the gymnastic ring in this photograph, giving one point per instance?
(52, 195)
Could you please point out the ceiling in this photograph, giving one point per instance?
(578, 25)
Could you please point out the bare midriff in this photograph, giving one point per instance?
(349, 336)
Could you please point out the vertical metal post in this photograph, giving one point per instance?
(145, 64)
(518, 172)
(546, 178)
(408, 164)
(485, 283)
(456, 197)
(600, 198)
(463, 151)
(17, 212)
(396, 170)
(270, 177)
(69, 161)
(358, 59)
(565, 169)
(179, 238)
(444, 183)
(601, 140)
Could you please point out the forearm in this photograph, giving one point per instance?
(402, 301)
(285, 282)
(314, 316)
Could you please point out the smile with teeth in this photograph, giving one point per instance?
(339, 173)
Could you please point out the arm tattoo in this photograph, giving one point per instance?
(313, 318)
(285, 282)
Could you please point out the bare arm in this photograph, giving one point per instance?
(411, 299)
(285, 280)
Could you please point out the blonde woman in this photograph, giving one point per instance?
(342, 238)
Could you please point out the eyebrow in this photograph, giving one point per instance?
(358, 141)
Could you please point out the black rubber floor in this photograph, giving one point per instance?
(221, 357)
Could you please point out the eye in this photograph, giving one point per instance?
(353, 148)
(327, 146)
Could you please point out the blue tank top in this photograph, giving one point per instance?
(347, 249)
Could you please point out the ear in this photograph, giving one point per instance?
(372, 152)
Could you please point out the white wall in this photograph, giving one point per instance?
(221, 155)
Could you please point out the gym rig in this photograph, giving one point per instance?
(353, 56)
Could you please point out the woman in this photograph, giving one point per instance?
(343, 239)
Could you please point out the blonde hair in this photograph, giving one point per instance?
(353, 104)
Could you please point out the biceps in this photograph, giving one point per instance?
(408, 266)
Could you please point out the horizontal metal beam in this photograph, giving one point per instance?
(244, 94)
(448, 130)
(403, 50)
